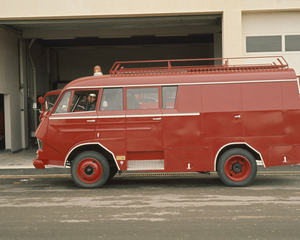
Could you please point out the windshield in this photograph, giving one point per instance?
(50, 101)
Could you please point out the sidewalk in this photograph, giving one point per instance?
(20, 160)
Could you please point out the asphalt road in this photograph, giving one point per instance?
(150, 207)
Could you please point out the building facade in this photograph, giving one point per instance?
(45, 44)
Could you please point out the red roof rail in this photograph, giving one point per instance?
(191, 66)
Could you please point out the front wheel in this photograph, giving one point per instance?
(90, 170)
(237, 167)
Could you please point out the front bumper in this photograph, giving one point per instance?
(38, 164)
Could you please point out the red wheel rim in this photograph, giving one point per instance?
(237, 168)
(89, 170)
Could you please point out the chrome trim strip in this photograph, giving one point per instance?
(180, 114)
(144, 115)
(55, 166)
(128, 116)
(298, 80)
(72, 117)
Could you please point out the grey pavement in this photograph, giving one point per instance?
(21, 163)
(19, 160)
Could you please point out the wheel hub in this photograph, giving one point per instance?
(89, 170)
(237, 167)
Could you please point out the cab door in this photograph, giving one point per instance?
(71, 122)
(110, 124)
(144, 127)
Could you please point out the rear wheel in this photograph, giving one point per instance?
(113, 171)
(90, 170)
(237, 167)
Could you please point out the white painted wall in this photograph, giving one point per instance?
(9, 79)
(270, 24)
(115, 8)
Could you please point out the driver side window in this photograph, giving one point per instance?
(84, 101)
(81, 101)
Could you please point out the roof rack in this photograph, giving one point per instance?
(192, 66)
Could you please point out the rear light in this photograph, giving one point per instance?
(40, 144)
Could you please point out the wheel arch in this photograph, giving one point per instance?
(242, 145)
(91, 146)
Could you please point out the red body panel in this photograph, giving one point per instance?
(257, 109)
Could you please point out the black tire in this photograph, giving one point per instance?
(113, 171)
(90, 170)
(237, 167)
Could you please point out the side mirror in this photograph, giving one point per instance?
(34, 106)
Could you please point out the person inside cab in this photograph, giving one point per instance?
(92, 101)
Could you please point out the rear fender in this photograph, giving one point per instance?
(242, 145)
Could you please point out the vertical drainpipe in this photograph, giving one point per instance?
(22, 92)
(34, 80)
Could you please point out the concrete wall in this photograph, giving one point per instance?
(273, 24)
(232, 11)
(102, 8)
(9, 80)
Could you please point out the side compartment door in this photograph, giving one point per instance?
(144, 129)
(183, 136)
(222, 111)
(110, 126)
(73, 120)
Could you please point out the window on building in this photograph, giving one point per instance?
(169, 96)
(142, 98)
(263, 44)
(112, 99)
(292, 43)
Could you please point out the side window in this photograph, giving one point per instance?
(169, 96)
(84, 101)
(63, 105)
(112, 99)
(142, 98)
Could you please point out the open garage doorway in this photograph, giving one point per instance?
(75, 46)
(77, 57)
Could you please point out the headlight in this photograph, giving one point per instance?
(40, 144)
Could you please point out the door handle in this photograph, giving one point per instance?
(157, 119)
(237, 116)
(93, 120)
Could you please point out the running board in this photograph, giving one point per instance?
(145, 165)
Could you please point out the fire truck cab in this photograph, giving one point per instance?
(175, 116)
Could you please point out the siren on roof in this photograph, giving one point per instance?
(97, 71)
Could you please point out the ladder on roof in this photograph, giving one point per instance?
(191, 66)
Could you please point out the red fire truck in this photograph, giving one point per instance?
(175, 116)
